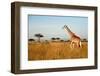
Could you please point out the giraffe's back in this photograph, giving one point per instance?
(75, 39)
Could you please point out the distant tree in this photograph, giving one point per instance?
(53, 38)
(84, 39)
(31, 40)
(68, 40)
(57, 38)
(46, 41)
(39, 36)
(62, 40)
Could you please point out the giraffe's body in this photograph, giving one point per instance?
(75, 40)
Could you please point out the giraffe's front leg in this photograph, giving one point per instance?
(73, 45)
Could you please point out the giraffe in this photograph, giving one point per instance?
(75, 40)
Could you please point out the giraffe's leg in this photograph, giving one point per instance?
(77, 44)
(71, 45)
(80, 44)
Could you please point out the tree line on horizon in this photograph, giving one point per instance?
(39, 36)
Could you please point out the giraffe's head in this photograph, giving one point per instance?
(65, 26)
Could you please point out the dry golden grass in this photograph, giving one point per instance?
(56, 50)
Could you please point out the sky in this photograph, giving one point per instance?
(52, 26)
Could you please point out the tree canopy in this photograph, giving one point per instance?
(39, 36)
(31, 40)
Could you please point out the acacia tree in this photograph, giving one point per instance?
(68, 40)
(84, 39)
(39, 36)
(31, 40)
(62, 40)
(57, 38)
(53, 38)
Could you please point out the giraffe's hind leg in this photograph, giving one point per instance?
(78, 44)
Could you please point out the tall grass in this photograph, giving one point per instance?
(56, 50)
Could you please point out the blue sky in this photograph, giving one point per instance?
(51, 26)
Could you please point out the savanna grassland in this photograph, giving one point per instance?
(55, 50)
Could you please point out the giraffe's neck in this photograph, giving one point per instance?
(69, 31)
